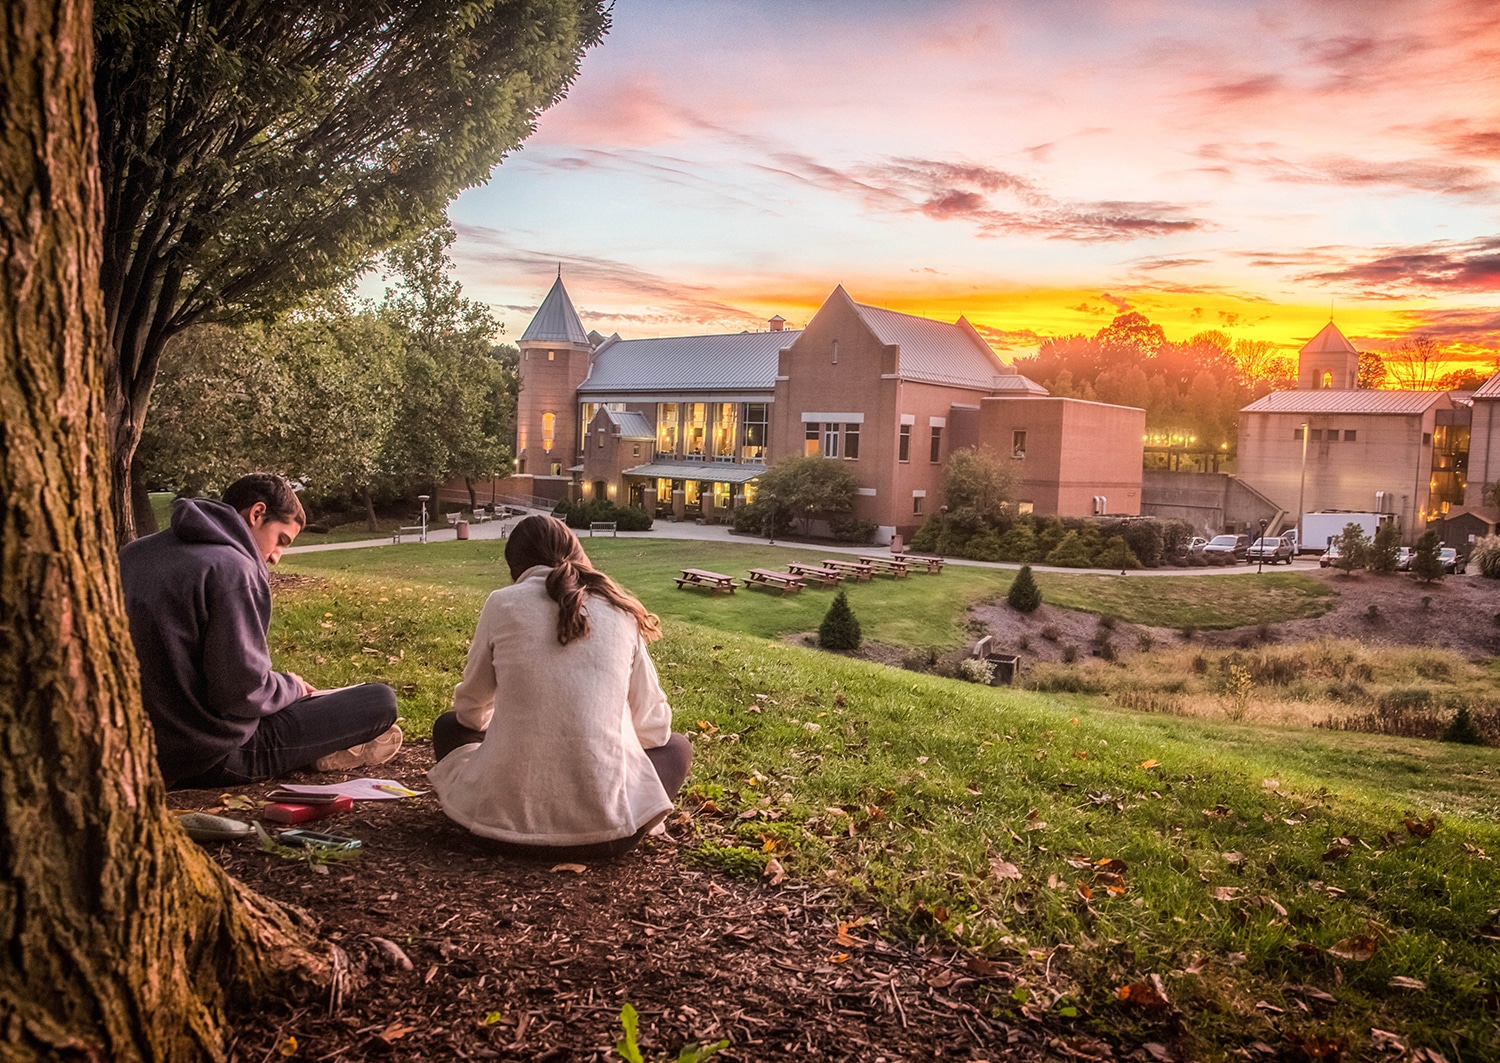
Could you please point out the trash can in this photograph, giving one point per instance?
(463, 529)
(1007, 667)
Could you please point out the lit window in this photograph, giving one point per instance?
(757, 418)
(1328, 380)
(810, 444)
(666, 428)
(635, 450)
(903, 452)
(851, 442)
(549, 430)
(551, 356)
(1018, 444)
(697, 428)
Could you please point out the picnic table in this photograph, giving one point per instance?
(893, 566)
(858, 569)
(934, 564)
(785, 582)
(698, 577)
(825, 576)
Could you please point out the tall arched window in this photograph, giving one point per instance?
(1328, 380)
(549, 430)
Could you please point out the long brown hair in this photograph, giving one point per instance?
(539, 540)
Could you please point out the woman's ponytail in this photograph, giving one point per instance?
(539, 540)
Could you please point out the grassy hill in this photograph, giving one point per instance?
(1266, 876)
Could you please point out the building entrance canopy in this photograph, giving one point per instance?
(719, 472)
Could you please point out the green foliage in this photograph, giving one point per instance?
(582, 513)
(1383, 552)
(850, 530)
(1146, 540)
(1116, 554)
(1354, 546)
(1426, 564)
(626, 1047)
(840, 628)
(1024, 595)
(1486, 556)
(1019, 543)
(252, 154)
(808, 488)
(976, 670)
(1071, 552)
(764, 517)
(1049, 536)
(980, 481)
(1463, 729)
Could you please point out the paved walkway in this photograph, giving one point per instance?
(665, 529)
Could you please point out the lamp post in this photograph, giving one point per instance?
(942, 529)
(1302, 483)
(1260, 552)
(423, 499)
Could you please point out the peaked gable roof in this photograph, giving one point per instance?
(1329, 340)
(556, 321)
(631, 425)
(732, 362)
(1490, 389)
(936, 352)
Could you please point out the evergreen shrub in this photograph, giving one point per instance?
(840, 628)
(1024, 595)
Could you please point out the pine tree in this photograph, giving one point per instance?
(840, 628)
(1382, 557)
(1024, 595)
(1426, 565)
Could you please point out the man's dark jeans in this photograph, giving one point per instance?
(302, 732)
(671, 762)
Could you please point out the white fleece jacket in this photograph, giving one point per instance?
(563, 758)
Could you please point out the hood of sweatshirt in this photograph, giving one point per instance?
(202, 520)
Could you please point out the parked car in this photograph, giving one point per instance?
(1403, 559)
(1226, 549)
(1271, 551)
(1329, 556)
(1452, 563)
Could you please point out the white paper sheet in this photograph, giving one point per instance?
(359, 789)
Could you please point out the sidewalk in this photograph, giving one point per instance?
(665, 529)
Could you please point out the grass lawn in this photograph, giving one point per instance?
(1255, 870)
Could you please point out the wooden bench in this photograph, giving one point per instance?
(861, 572)
(817, 573)
(934, 564)
(603, 525)
(894, 567)
(481, 515)
(782, 581)
(697, 577)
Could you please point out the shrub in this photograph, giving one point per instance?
(1049, 536)
(925, 539)
(1144, 642)
(1463, 729)
(763, 517)
(1116, 554)
(976, 670)
(839, 629)
(1426, 565)
(582, 513)
(1372, 614)
(1146, 540)
(1486, 556)
(1019, 543)
(922, 659)
(1071, 552)
(850, 530)
(1105, 650)
(1354, 548)
(986, 546)
(1069, 653)
(1024, 595)
(1052, 632)
(1383, 553)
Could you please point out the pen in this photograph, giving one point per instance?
(399, 791)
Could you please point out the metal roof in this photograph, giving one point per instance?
(631, 425)
(936, 352)
(1329, 340)
(740, 361)
(1490, 389)
(1336, 400)
(556, 321)
(724, 472)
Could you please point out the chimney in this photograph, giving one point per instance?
(778, 323)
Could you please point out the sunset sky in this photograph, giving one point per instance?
(1037, 167)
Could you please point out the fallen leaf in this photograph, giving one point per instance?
(1387, 1041)
(706, 727)
(287, 1048)
(1147, 765)
(1233, 859)
(1358, 948)
(939, 977)
(1002, 869)
(1081, 754)
(577, 869)
(1158, 1052)
(1311, 992)
(238, 802)
(1111, 864)
(1150, 995)
(982, 967)
(839, 957)
(1269, 784)
(1336, 853)
(1217, 812)
(844, 938)
(1265, 1005)
(493, 1017)
(1402, 982)
(394, 1032)
(1226, 893)
(774, 871)
(1420, 828)
(1317, 1047)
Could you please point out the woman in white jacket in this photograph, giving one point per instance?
(559, 741)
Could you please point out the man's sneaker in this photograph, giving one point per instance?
(376, 751)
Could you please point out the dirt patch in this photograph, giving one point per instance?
(516, 961)
(294, 581)
(1460, 614)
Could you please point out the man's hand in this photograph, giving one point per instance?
(307, 688)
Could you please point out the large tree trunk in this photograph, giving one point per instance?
(372, 522)
(119, 938)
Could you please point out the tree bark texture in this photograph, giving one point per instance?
(119, 938)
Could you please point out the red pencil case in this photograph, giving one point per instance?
(289, 812)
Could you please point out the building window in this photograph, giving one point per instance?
(749, 492)
(1297, 434)
(1333, 435)
(1018, 444)
(1025, 509)
(721, 495)
(916, 505)
(521, 466)
(551, 356)
(1317, 435)
(1349, 436)
(635, 450)
(1328, 380)
(1427, 439)
(903, 450)
(557, 468)
(810, 443)
(586, 413)
(664, 491)
(724, 430)
(830, 440)
(757, 420)
(696, 432)
(666, 429)
(937, 444)
(549, 430)
(851, 442)
(601, 439)
(692, 491)
(835, 352)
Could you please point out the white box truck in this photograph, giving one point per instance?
(1319, 528)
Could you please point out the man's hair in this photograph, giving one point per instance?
(282, 503)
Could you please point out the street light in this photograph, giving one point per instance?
(942, 529)
(1260, 549)
(1302, 484)
(423, 499)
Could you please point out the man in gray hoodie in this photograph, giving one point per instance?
(199, 605)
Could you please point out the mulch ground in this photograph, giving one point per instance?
(462, 954)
